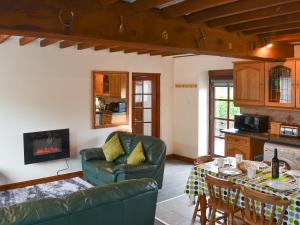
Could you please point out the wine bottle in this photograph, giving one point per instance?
(275, 165)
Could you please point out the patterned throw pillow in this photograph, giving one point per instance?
(112, 149)
(137, 156)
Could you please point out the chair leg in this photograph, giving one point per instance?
(212, 218)
(196, 209)
(225, 219)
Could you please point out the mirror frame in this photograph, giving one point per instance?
(94, 72)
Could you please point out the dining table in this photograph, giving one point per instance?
(196, 187)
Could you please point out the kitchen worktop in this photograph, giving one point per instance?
(295, 141)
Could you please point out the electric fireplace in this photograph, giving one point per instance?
(46, 145)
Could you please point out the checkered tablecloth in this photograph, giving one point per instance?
(196, 185)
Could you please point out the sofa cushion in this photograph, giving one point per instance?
(103, 170)
(137, 156)
(112, 149)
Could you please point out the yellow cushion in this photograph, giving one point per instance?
(113, 149)
(137, 155)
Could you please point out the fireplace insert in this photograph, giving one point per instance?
(46, 145)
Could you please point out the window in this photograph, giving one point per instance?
(222, 110)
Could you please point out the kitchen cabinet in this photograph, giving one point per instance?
(280, 80)
(298, 84)
(248, 147)
(101, 85)
(249, 84)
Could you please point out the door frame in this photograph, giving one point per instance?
(156, 76)
(214, 74)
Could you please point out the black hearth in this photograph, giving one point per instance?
(46, 145)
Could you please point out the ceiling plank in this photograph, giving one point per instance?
(286, 26)
(40, 20)
(264, 22)
(141, 5)
(290, 37)
(282, 32)
(82, 46)
(47, 41)
(108, 2)
(191, 6)
(26, 40)
(66, 44)
(4, 38)
(233, 9)
(256, 15)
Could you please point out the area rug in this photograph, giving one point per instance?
(56, 189)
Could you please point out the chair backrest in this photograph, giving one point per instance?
(217, 187)
(203, 159)
(254, 218)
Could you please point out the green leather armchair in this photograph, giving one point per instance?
(97, 170)
(113, 204)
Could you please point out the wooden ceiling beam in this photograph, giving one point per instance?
(191, 6)
(26, 40)
(82, 46)
(144, 30)
(108, 2)
(131, 50)
(116, 49)
(286, 26)
(277, 33)
(142, 52)
(288, 38)
(100, 47)
(4, 38)
(256, 15)
(47, 41)
(233, 9)
(142, 5)
(66, 44)
(264, 22)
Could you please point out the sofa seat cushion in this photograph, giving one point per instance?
(102, 169)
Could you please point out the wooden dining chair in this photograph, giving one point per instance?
(220, 202)
(251, 217)
(200, 160)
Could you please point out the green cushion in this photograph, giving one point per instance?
(113, 149)
(137, 156)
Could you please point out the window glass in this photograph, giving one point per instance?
(221, 93)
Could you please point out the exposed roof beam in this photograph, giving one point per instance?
(66, 44)
(48, 41)
(131, 50)
(144, 52)
(82, 46)
(4, 38)
(141, 5)
(264, 22)
(153, 53)
(191, 6)
(256, 15)
(170, 54)
(26, 40)
(181, 36)
(233, 9)
(277, 33)
(286, 26)
(289, 37)
(116, 49)
(108, 2)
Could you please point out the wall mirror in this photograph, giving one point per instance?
(110, 99)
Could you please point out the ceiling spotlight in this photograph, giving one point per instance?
(270, 45)
(267, 43)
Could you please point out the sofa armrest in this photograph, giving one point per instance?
(92, 153)
(130, 169)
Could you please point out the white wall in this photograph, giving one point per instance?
(50, 88)
(191, 113)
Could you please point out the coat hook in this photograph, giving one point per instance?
(121, 27)
(66, 24)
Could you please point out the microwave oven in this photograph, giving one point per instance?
(252, 123)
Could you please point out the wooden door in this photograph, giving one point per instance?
(298, 84)
(249, 84)
(146, 104)
(280, 84)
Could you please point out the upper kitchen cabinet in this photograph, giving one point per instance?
(298, 84)
(249, 84)
(280, 84)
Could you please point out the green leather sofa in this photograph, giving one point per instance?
(113, 204)
(98, 171)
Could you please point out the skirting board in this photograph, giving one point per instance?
(40, 181)
(180, 157)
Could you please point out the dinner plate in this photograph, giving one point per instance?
(294, 173)
(281, 185)
(230, 171)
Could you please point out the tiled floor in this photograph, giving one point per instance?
(173, 205)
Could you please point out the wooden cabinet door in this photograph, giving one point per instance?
(249, 87)
(298, 84)
(232, 149)
(280, 84)
(99, 84)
